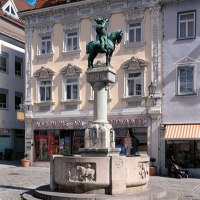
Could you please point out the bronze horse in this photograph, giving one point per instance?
(94, 47)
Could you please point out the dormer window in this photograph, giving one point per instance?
(10, 10)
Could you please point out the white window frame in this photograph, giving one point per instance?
(4, 55)
(194, 91)
(45, 86)
(72, 37)
(134, 79)
(65, 84)
(134, 29)
(9, 5)
(186, 22)
(127, 34)
(19, 73)
(45, 41)
(4, 105)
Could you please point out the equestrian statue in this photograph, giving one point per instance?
(105, 43)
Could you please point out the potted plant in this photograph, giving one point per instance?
(152, 167)
(25, 161)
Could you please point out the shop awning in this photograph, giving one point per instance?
(191, 131)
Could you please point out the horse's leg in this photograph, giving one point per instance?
(93, 57)
(108, 58)
(89, 61)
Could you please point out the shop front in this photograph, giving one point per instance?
(67, 137)
(182, 142)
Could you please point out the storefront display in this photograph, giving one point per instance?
(185, 153)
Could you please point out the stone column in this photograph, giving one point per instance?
(99, 136)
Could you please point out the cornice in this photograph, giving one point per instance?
(85, 9)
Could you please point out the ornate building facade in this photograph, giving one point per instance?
(60, 100)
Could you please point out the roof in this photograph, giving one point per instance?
(48, 3)
(21, 5)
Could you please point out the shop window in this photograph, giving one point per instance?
(184, 153)
(186, 25)
(46, 144)
(132, 141)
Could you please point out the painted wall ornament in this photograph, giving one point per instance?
(105, 44)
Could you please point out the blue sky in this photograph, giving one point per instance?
(32, 2)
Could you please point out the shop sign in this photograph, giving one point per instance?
(81, 124)
(53, 124)
(59, 124)
(20, 116)
(127, 122)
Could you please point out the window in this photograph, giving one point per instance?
(18, 66)
(134, 84)
(46, 44)
(4, 62)
(18, 100)
(10, 10)
(71, 41)
(186, 25)
(72, 88)
(3, 98)
(45, 90)
(135, 32)
(186, 80)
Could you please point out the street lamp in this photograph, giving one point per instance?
(152, 90)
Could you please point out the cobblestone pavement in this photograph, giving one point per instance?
(14, 180)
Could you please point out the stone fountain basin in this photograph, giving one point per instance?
(78, 174)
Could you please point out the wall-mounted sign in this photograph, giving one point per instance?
(20, 116)
(126, 122)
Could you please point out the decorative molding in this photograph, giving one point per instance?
(45, 28)
(186, 60)
(135, 14)
(71, 25)
(71, 70)
(134, 64)
(44, 73)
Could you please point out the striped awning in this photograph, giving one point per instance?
(189, 131)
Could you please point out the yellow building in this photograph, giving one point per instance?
(60, 100)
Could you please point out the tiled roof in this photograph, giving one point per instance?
(48, 3)
(21, 5)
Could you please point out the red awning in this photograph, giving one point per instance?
(191, 131)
